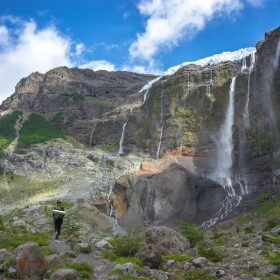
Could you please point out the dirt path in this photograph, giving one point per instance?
(100, 265)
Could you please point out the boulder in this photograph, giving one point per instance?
(103, 244)
(200, 262)
(150, 256)
(31, 263)
(167, 240)
(64, 274)
(161, 241)
(127, 269)
(156, 274)
(82, 247)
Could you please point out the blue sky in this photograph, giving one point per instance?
(136, 35)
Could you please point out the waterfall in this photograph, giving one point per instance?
(277, 56)
(145, 96)
(244, 64)
(160, 141)
(122, 140)
(224, 141)
(91, 136)
(223, 173)
(246, 112)
(209, 87)
(162, 122)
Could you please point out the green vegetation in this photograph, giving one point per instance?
(191, 232)
(196, 275)
(59, 117)
(211, 253)
(275, 260)
(83, 269)
(71, 119)
(126, 246)
(12, 237)
(74, 96)
(273, 239)
(106, 147)
(10, 261)
(177, 258)
(7, 128)
(36, 129)
(249, 229)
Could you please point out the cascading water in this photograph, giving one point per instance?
(162, 123)
(244, 64)
(223, 173)
(246, 111)
(277, 56)
(209, 87)
(122, 140)
(91, 137)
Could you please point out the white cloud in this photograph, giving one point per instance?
(99, 65)
(25, 49)
(169, 21)
(79, 49)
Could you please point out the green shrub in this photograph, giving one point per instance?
(275, 260)
(196, 275)
(211, 253)
(191, 232)
(71, 119)
(109, 255)
(126, 246)
(9, 262)
(249, 230)
(177, 258)
(36, 129)
(59, 117)
(86, 249)
(83, 269)
(270, 224)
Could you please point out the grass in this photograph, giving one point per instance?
(84, 269)
(7, 129)
(177, 258)
(36, 129)
(274, 260)
(106, 147)
(12, 237)
(191, 232)
(211, 253)
(249, 229)
(197, 275)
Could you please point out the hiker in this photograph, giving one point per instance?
(58, 215)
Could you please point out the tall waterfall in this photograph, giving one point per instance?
(160, 141)
(223, 172)
(246, 112)
(122, 140)
(225, 144)
(91, 137)
(277, 56)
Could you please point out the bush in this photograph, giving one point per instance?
(249, 230)
(212, 254)
(275, 260)
(126, 246)
(36, 129)
(83, 269)
(195, 275)
(191, 232)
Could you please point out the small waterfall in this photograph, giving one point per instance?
(91, 136)
(277, 56)
(210, 86)
(145, 96)
(244, 64)
(122, 140)
(160, 141)
(223, 173)
(162, 122)
(246, 112)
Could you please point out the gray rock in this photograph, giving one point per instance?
(82, 247)
(64, 274)
(52, 259)
(103, 244)
(200, 262)
(156, 274)
(127, 268)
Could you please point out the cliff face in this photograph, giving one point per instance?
(180, 118)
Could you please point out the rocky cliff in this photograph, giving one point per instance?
(198, 143)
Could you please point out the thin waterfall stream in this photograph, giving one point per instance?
(122, 140)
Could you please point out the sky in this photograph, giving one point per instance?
(144, 36)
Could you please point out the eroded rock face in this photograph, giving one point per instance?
(172, 194)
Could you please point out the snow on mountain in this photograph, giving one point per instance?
(211, 60)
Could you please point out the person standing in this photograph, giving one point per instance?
(58, 215)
